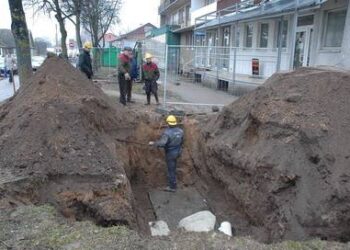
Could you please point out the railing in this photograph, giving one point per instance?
(235, 8)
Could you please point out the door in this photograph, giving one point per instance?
(212, 51)
(303, 41)
(224, 53)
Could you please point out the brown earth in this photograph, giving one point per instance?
(282, 154)
(57, 145)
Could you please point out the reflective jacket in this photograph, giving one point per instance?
(171, 140)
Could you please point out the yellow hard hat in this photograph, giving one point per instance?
(148, 56)
(171, 120)
(87, 45)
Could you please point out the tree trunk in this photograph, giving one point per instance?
(97, 52)
(63, 31)
(77, 31)
(21, 35)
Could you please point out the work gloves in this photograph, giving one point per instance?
(127, 76)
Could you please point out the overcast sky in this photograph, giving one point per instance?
(133, 14)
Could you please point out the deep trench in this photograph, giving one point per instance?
(147, 171)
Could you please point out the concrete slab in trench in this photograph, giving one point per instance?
(172, 207)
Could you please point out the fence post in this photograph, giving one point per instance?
(294, 30)
(234, 67)
(279, 53)
(165, 74)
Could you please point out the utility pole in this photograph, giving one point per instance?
(56, 39)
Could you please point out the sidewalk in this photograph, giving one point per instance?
(198, 94)
(6, 88)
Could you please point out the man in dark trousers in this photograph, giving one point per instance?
(85, 60)
(171, 140)
(124, 75)
(150, 74)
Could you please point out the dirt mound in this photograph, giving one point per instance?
(57, 145)
(282, 153)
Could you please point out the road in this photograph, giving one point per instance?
(6, 88)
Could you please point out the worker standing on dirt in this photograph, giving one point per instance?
(85, 64)
(150, 74)
(171, 140)
(124, 75)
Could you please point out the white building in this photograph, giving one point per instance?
(281, 34)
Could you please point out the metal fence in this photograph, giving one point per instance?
(208, 75)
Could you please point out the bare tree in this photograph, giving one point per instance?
(54, 6)
(21, 35)
(98, 16)
(74, 8)
(41, 45)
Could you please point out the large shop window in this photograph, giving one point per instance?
(284, 32)
(249, 36)
(334, 28)
(264, 35)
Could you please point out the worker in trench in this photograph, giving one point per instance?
(172, 141)
(124, 76)
(85, 64)
(150, 74)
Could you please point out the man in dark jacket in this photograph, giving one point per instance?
(85, 60)
(150, 74)
(124, 75)
(171, 140)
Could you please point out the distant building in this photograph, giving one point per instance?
(107, 42)
(7, 42)
(130, 38)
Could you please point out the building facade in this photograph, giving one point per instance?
(274, 35)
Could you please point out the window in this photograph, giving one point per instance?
(189, 39)
(235, 36)
(181, 16)
(226, 35)
(284, 32)
(188, 16)
(207, 2)
(305, 20)
(334, 28)
(175, 18)
(264, 35)
(249, 36)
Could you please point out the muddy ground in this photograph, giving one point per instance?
(65, 143)
(57, 145)
(282, 153)
(41, 227)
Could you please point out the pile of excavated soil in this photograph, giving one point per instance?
(57, 145)
(282, 152)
